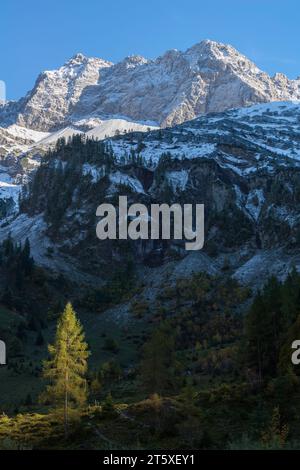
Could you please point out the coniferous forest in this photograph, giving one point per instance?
(204, 363)
(208, 366)
(149, 232)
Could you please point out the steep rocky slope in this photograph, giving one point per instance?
(102, 99)
(242, 164)
(54, 93)
(176, 87)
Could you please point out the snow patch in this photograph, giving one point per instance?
(178, 179)
(95, 172)
(63, 133)
(26, 134)
(121, 178)
(113, 127)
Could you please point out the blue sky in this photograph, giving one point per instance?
(37, 35)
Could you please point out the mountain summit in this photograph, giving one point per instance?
(176, 87)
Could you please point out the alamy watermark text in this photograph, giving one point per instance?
(161, 222)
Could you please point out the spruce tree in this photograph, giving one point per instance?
(265, 325)
(158, 364)
(67, 366)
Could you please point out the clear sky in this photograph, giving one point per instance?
(41, 35)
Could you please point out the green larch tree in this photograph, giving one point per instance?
(67, 366)
(158, 364)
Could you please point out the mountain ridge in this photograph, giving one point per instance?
(173, 88)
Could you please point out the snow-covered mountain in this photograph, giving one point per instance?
(21, 151)
(205, 125)
(243, 164)
(244, 140)
(176, 87)
(262, 137)
(20, 141)
(55, 92)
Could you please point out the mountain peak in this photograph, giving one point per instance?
(79, 56)
(134, 60)
(218, 50)
(177, 86)
(77, 59)
(217, 56)
(81, 59)
(169, 55)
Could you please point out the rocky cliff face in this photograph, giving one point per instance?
(244, 165)
(55, 92)
(176, 87)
